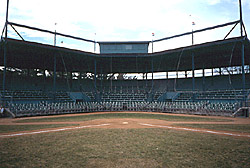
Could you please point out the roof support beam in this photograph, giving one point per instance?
(17, 32)
(197, 31)
(230, 31)
(51, 32)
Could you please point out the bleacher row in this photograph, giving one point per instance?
(139, 95)
(220, 95)
(201, 108)
(124, 97)
(34, 95)
(31, 103)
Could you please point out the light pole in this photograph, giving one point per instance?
(241, 19)
(193, 24)
(242, 56)
(95, 44)
(153, 34)
(55, 35)
(54, 77)
(193, 66)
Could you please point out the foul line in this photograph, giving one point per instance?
(197, 130)
(54, 130)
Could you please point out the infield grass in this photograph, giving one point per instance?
(123, 115)
(105, 148)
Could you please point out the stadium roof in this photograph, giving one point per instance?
(31, 55)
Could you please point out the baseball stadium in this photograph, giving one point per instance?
(63, 107)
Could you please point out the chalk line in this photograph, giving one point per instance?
(197, 130)
(54, 130)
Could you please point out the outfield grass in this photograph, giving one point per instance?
(151, 147)
(220, 127)
(123, 115)
(16, 128)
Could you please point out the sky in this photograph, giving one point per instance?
(130, 20)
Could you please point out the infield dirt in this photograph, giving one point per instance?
(129, 123)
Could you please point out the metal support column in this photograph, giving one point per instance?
(54, 77)
(111, 68)
(242, 55)
(243, 71)
(44, 80)
(152, 86)
(95, 83)
(54, 73)
(241, 19)
(203, 79)
(166, 81)
(152, 69)
(5, 54)
(4, 71)
(101, 81)
(95, 78)
(147, 78)
(193, 76)
(71, 81)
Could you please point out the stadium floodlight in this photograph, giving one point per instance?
(153, 34)
(55, 35)
(193, 24)
(95, 44)
(241, 19)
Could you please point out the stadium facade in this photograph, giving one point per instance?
(40, 79)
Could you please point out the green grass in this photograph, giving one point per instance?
(152, 147)
(220, 127)
(122, 115)
(16, 128)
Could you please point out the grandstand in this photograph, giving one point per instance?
(40, 79)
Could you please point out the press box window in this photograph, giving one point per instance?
(128, 47)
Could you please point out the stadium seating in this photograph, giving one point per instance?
(25, 96)
(123, 97)
(34, 96)
(201, 108)
(219, 95)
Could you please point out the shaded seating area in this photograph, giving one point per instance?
(201, 108)
(123, 97)
(218, 95)
(26, 96)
